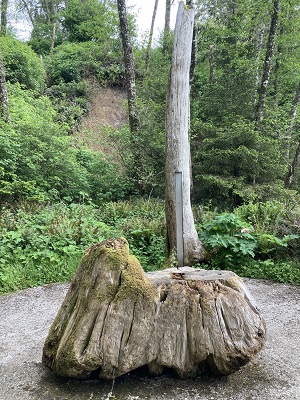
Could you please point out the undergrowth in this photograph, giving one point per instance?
(43, 243)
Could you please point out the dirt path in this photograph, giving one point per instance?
(26, 317)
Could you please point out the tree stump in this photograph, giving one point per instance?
(115, 319)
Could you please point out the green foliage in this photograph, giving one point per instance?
(228, 239)
(92, 21)
(265, 217)
(233, 241)
(145, 150)
(235, 164)
(69, 100)
(39, 160)
(22, 65)
(43, 243)
(143, 224)
(40, 244)
(277, 270)
(72, 62)
(106, 181)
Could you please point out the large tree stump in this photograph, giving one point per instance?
(115, 319)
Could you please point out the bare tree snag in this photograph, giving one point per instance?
(189, 3)
(177, 139)
(129, 66)
(150, 36)
(115, 319)
(4, 7)
(267, 64)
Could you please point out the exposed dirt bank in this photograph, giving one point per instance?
(27, 315)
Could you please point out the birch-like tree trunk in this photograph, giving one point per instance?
(4, 6)
(267, 64)
(150, 36)
(129, 66)
(177, 140)
(4, 111)
(167, 25)
(53, 36)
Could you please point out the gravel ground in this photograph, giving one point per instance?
(26, 317)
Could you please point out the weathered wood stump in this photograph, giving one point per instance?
(115, 319)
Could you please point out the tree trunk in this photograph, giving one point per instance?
(267, 65)
(211, 63)
(177, 141)
(167, 26)
(115, 319)
(150, 36)
(4, 5)
(189, 3)
(4, 110)
(293, 166)
(53, 36)
(129, 66)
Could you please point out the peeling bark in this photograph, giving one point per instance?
(115, 319)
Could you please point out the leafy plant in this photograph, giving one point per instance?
(22, 64)
(231, 241)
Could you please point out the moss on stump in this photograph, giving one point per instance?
(115, 319)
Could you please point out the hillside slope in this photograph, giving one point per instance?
(107, 109)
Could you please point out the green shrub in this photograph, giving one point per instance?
(277, 270)
(40, 161)
(42, 243)
(233, 241)
(72, 62)
(22, 65)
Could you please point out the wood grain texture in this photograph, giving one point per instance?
(115, 319)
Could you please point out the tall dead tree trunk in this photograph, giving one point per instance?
(267, 64)
(129, 66)
(177, 141)
(167, 26)
(4, 111)
(189, 3)
(4, 6)
(150, 36)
